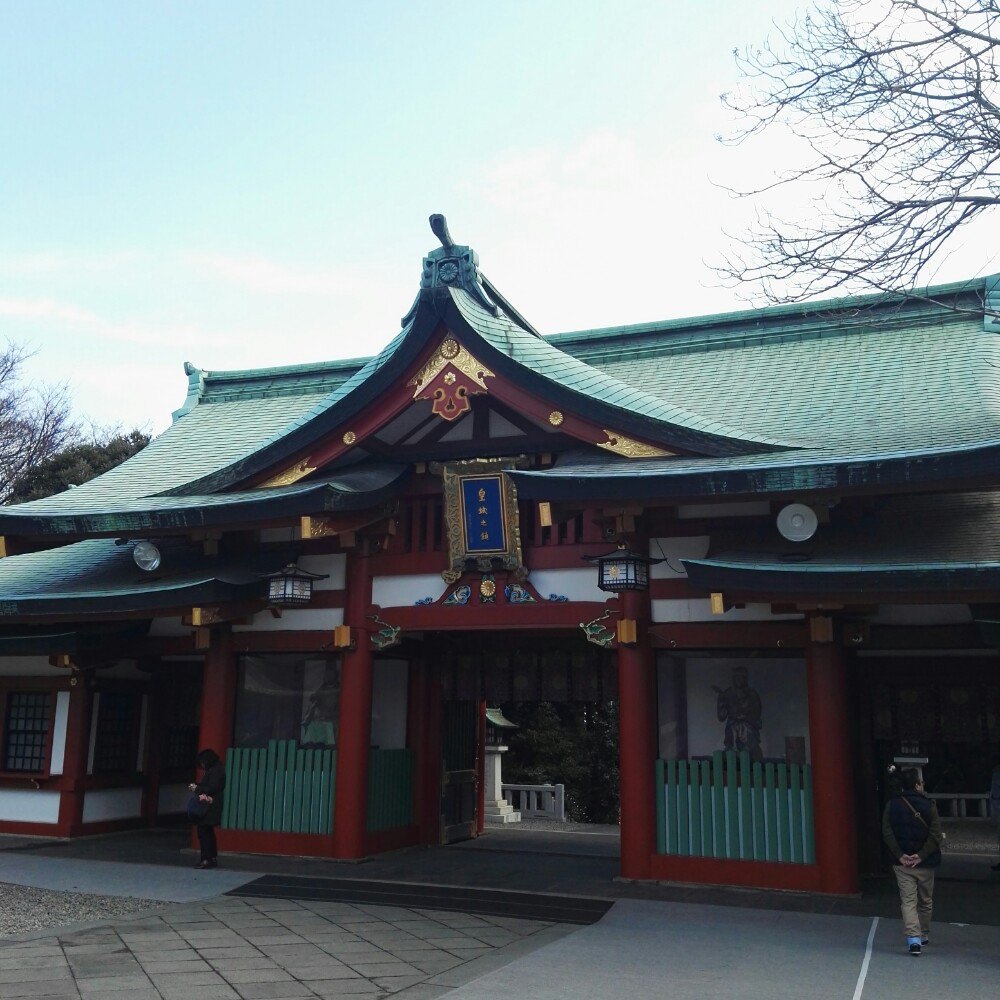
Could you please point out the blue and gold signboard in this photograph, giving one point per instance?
(481, 517)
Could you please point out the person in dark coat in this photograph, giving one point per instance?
(209, 789)
(911, 829)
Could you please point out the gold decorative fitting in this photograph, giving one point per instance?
(349, 437)
(291, 475)
(629, 447)
(450, 352)
(449, 378)
(556, 418)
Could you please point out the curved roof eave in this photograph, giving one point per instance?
(353, 489)
(790, 473)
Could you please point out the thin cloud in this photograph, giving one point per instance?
(268, 277)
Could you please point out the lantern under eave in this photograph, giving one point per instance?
(622, 569)
(291, 587)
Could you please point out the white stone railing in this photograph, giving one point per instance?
(543, 801)
(954, 805)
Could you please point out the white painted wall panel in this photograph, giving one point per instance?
(389, 695)
(60, 719)
(700, 610)
(101, 804)
(748, 508)
(576, 584)
(29, 666)
(305, 620)
(400, 591)
(332, 565)
(29, 805)
(672, 551)
(922, 614)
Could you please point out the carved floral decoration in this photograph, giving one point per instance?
(449, 378)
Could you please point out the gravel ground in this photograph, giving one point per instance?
(24, 909)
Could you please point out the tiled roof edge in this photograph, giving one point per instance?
(751, 323)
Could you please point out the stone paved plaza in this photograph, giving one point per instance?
(266, 950)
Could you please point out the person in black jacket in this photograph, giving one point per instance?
(209, 789)
(911, 829)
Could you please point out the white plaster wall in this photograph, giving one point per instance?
(923, 614)
(399, 591)
(748, 508)
(111, 803)
(304, 620)
(168, 626)
(332, 565)
(672, 551)
(173, 799)
(125, 670)
(700, 610)
(29, 805)
(60, 719)
(576, 584)
(29, 666)
(279, 534)
(389, 696)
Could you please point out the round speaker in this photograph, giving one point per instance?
(797, 522)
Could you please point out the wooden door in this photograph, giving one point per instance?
(460, 771)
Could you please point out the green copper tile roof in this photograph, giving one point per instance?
(927, 541)
(96, 575)
(590, 383)
(351, 489)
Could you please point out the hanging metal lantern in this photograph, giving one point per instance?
(622, 569)
(291, 587)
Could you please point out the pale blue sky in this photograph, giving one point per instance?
(248, 184)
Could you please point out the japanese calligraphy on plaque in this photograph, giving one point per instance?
(481, 518)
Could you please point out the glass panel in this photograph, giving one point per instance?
(287, 697)
(26, 731)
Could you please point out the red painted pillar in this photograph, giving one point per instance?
(218, 693)
(832, 769)
(74, 774)
(637, 744)
(350, 814)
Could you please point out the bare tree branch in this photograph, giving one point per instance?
(899, 103)
(35, 420)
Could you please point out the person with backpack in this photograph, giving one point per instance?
(205, 807)
(911, 829)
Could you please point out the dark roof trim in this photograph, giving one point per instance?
(979, 464)
(356, 489)
(762, 577)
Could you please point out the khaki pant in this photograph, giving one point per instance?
(916, 891)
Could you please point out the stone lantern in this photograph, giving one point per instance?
(496, 810)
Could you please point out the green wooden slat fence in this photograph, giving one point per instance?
(281, 788)
(731, 808)
(390, 789)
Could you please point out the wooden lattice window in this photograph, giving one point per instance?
(114, 748)
(26, 731)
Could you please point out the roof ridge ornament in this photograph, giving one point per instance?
(453, 265)
(439, 227)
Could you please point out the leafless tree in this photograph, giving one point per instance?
(898, 102)
(35, 420)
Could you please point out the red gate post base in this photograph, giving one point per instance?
(350, 813)
(832, 768)
(636, 743)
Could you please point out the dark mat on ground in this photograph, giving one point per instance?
(486, 902)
